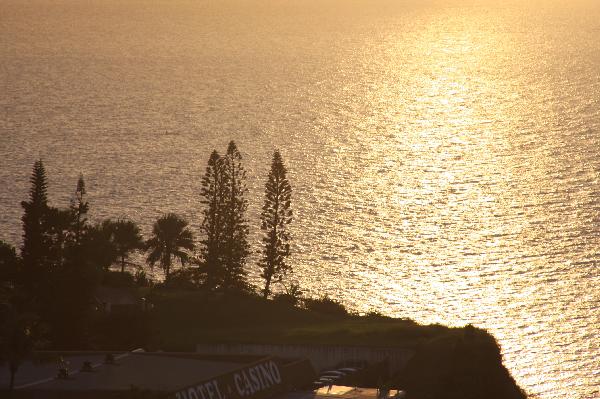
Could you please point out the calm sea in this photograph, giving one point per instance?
(445, 156)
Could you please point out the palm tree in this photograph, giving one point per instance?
(125, 237)
(170, 238)
(98, 246)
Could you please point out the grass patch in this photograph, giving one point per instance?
(182, 319)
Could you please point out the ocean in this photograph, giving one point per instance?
(444, 155)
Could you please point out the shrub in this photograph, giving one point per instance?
(464, 363)
(292, 296)
(117, 279)
(325, 305)
(141, 279)
(374, 314)
(185, 279)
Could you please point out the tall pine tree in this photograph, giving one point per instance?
(275, 217)
(213, 194)
(225, 244)
(34, 250)
(57, 273)
(235, 243)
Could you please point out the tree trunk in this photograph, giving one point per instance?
(267, 291)
(122, 264)
(167, 266)
(11, 384)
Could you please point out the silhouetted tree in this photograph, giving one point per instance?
(46, 233)
(9, 263)
(66, 296)
(213, 194)
(65, 227)
(58, 274)
(34, 250)
(16, 338)
(79, 209)
(59, 235)
(98, 245)
(73, 280)
(126, 238)
(170, 238)
(275, 217)
(68, 310)
(235, 243)
(458, 365)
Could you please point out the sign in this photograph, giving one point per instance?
(255, 381)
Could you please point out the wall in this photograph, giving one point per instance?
(322, 357)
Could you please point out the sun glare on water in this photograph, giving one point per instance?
(443, 154)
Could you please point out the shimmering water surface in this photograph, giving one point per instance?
(445, 156)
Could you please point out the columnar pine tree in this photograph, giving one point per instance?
(58, 276)
(225, 244)
(235, 243)
(34, 250)
(276, 215)
(213, 194)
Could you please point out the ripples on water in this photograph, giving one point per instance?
(445, 159)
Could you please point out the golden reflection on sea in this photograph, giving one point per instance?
(445, 158)
(463, 180)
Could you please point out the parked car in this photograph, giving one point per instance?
(335, 373)
(348, 370)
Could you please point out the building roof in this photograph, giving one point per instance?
(155, 372)
(172, 375)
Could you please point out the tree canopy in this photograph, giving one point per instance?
(224, 226)
(275, 217)
(171, 238)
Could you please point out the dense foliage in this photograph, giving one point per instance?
(466, 363)
(275, 217)
(125, 238)
(213, 195)
(224, 246)
(64, 258)
(170, 239)
(235, 238)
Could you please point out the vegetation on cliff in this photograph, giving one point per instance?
(462, 362)
(47, 292)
